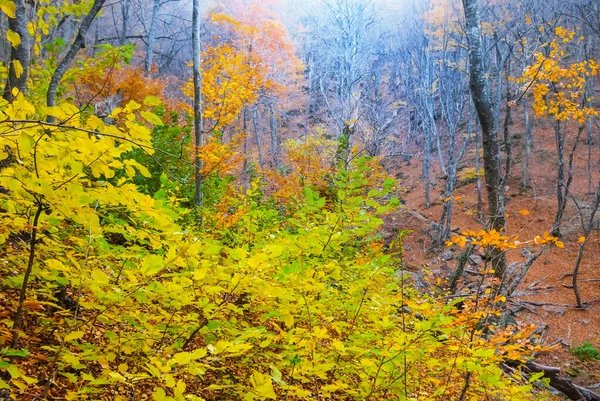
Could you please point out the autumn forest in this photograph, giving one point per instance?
(299, 200)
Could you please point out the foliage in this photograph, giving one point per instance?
(586, 352)
(303, 306)
(558, 85)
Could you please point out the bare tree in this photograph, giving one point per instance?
(198, 129)
(491, 150)
(77, 44)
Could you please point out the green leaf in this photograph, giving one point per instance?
(14, 352)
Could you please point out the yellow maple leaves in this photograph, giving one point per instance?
(558, 86)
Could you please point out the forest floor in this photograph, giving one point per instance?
(546, 291)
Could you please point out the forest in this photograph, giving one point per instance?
(299, 200)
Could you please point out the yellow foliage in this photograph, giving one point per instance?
(558, 87)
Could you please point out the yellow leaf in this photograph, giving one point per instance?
(152, 101)
(581, 239)
(18, 68)
(159, 394)
(524, 212)
(13, 38)
(560, 244)
(263, 386)
(74, 336)
(151, 118)
(8, 7)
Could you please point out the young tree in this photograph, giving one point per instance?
(198, 126)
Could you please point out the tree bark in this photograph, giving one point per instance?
(198, 129)
(528, 144)
(152, 36)
(77, 44)
(274, 142)
(257, 138)
(20, 54)
(489, 134)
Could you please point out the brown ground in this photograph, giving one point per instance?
(546, 281)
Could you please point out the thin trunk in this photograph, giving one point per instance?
(427, 167)
(152, 36)
(258, 139)
(77, 44)
(563, 186)
(507, 124)
(309, 100)
(198, 128)
(587, 229)
(528, 144)
(246, 166)
(125, 21)
(273, 129)
(19, 55)
(559, 138)
(18, 318)
(484, 107)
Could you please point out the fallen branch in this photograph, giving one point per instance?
(562, 384)
(535, 303)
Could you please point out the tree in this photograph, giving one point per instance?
(20, 56)
(559, 89)
(77, 44)
(491, 150)
(198, 124)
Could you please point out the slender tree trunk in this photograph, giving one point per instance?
(587, 229)
(528, 144)
(561, 196)
(18, 317)
(309, 99)
(563, 183)
(19, 55)
(477, 161)
(507, 124)
(152, 36)
(274, 143)
(261, 159)
(77, 44)
(246, 165)
(427, 167)
(485, 111)
(125, 22)
(198, 128)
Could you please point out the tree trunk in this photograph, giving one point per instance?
(125, 21)
(261, 159)
(152, 36)
(21, 54)
(274, 143)
(507, 123)
(528, 144)
(198, 129)
(485, 111)
(427, 167)
(77, 44)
